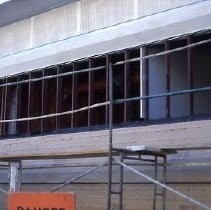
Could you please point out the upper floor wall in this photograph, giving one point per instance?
(77, 18)
(72, 32)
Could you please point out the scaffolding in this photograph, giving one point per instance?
(141, 153)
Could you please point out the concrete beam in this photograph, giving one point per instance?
(176, 135)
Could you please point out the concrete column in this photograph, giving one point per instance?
(15, 176)
(12, 126)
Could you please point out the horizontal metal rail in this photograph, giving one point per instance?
(117, 101)
(79, 176)
(164, 52)
(53, 76)
(56, 114)
(3, 191)
(201, 205)
(161, 95)
(176, 164)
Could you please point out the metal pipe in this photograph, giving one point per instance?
(155, 186)
(164, 181)
(165, 52)
(119, 101)
(53, 76)
(121, 180)
(110, 136)
(79, 176)
(4, 191)
(58, 114)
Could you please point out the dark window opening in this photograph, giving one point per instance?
(49, 98)
(81, 95)
(35, 103)
(98, 91)
(65, 96)
(185, 69)
(133, 85)
(23, 101)
(201, 68)
(118, 86)
(2, 96)
(11, 106)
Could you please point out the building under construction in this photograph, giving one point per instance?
(110, 99)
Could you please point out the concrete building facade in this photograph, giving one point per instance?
(41, 40)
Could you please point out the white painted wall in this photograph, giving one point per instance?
(77, 18)
(179, 105)
(157, 84)
(202, 78)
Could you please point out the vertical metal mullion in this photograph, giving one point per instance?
(142, 78)
(121, 179)
(146, 62)
(167, 67)
(190, 74)
(5, 106)
(2, 107)
(29, 105)
(19, 104)
(107, 89)
(74, 93)
(72, 90)
(126, 86)
(155, 186)
(110, 149)
(90, 92)
(43, 101)
(57, 95)
(16, 92)
(164, 181)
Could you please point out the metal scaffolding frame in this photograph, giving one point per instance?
(140, 152)
(15, 166)
(146, 155)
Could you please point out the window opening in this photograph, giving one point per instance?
(22, 106)
(49, 99)
(81, 95)
(98, 91)
(118, 86)
(35, 107)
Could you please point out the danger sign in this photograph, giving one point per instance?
(41, 201)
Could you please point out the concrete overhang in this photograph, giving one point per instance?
(148, 29)
(15, 10)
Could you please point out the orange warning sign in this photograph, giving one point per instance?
(41, 201)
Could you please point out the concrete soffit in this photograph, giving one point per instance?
(12, 11)
(133, 33)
